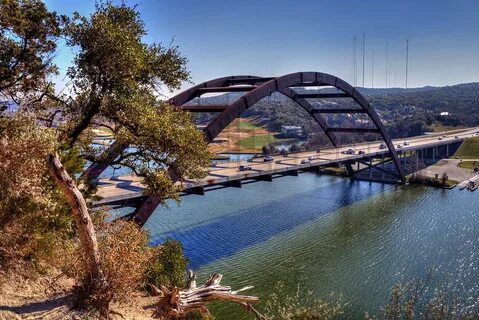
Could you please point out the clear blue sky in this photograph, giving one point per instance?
(266, 37)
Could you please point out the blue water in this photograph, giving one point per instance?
(329, 234)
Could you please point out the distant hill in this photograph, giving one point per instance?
(378, 91)
(404, 112)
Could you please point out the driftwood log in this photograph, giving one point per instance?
(176, 303)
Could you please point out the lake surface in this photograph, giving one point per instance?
(328, 234)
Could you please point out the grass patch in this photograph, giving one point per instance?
(469, 149)
(468, 164)
(257, 141)
(245, 124)
(439, 127)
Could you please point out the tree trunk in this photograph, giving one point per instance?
(83, 222)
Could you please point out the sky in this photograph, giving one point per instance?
(272, 38)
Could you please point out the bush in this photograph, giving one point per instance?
(124, 254)
(414, 300)
(300, 306)
(33, 216)
(168, 266)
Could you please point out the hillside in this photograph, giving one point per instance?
(404, 112)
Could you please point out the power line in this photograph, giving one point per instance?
(355, 63)
(407, 58)
(364, 41)
(372, 72)
(387, 45)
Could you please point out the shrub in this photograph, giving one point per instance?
(33, 216)
(300, 306)
(413, 300)
(125, 254)
(168, 266)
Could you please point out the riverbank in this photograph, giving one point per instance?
(451, 167)
(51, 298)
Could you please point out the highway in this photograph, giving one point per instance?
(123, 188)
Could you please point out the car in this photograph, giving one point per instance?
(304, 161)
(399, 146)
(406, 143)
(440, 138)
(311, 158)
(456, 137)
(268, 158)
(244, 168)
(349, 151)
(382, 146)
(361, 152)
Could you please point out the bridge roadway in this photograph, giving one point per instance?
(123, 189)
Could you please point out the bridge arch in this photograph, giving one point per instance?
(257, 88)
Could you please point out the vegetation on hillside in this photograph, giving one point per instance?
(469, 165)
(469, 149)
(46, 140)
(403, 112)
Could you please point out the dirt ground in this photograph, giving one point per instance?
(51, 299)
(450, 167)
(227, 140)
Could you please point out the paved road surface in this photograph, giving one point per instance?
(129, 186)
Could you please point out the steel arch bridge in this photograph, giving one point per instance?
(257, 88)
(254, 89)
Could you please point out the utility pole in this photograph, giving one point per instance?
(407, 58)
(355, 63)
(372, 72)
(364, 42)
(387, 44)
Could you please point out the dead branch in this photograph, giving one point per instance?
(176, 303)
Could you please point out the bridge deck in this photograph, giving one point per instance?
(117, 189)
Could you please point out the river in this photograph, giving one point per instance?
(328, 235)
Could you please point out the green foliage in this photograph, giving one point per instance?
(116, 77)
(34, 218)
(440, 182)
(468, 164)
(257, 141)
(196, 315)
(300, 306)
(28, 34)
(469, 149)
(414, 301)
(168, 266)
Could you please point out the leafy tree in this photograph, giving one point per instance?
(28, 34)
(169, 265)
(116, 79)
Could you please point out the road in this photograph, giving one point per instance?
(125, 187)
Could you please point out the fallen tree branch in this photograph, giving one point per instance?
(176, 303)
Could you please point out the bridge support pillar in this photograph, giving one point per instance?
(349, 168)
(370, 168)
(293, 173)
(233, 183)
(197, 190)
(266, 177)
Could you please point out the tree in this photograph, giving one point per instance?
(115, 83)
(116, 78)
(28, 34)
